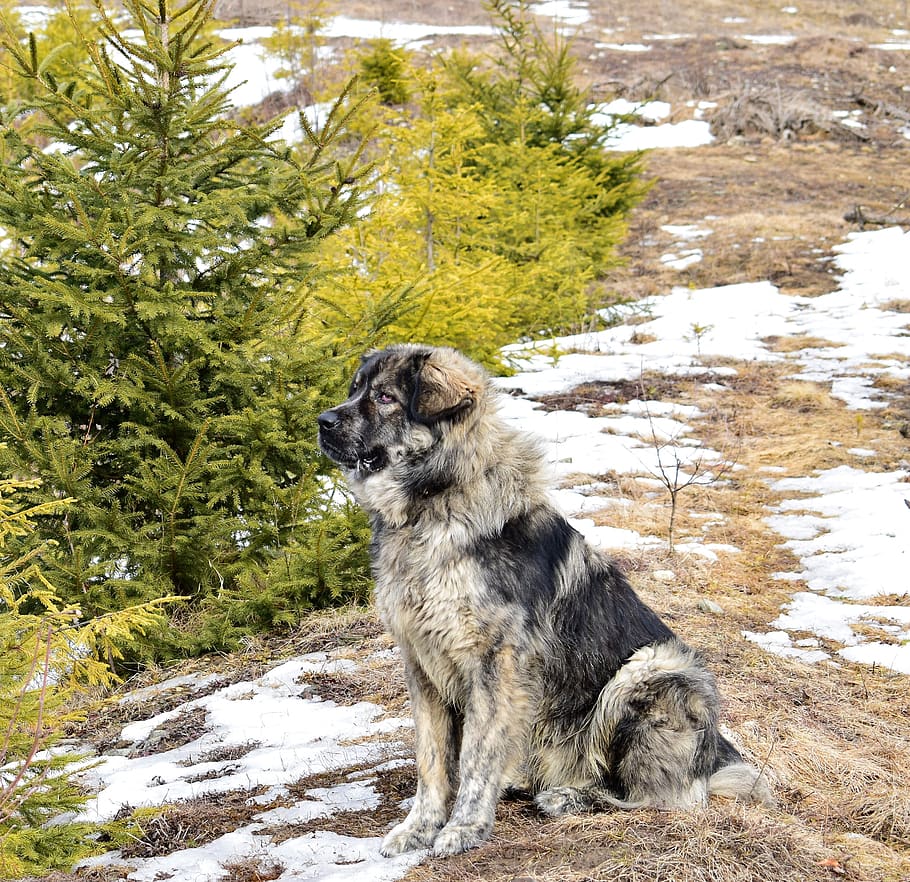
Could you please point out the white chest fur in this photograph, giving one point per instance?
(430, 595)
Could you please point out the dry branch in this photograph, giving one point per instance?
(858, 216)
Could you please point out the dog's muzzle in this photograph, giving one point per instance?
(336, 448)
(329, 425)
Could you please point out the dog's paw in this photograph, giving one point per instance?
(558, 801)
(458, 838)
(408, 837)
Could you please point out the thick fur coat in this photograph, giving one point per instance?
(531, 663)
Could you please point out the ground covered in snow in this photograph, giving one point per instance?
(766, 355)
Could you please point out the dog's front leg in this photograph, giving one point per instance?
(495, 726)
(436, 754)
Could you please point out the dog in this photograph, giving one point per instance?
(531, 663)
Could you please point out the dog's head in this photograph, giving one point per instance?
(400, 402)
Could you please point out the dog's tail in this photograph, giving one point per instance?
(741, 781)
(735, 781)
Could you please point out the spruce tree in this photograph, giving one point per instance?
(48, 651)
(501, 208)
(383, 66)
(565, 197)
(296, 40)
(418, 238)
(162, 357)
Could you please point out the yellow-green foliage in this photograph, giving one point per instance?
(296, 40)
(421, 237)
(60, 39)
(10, 18)
(499, 211)
(384, 67)
(57, 42)
(47, 653)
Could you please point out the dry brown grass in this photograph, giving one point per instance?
(186, 726)
(889, 383)
(723, 842)
(221, 754)
(781, 113)
(392, 785)
(798, 342)
(252, 870)
(381, 682)
(191, 823)
(802, 397)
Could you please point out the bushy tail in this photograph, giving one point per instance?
(741, 781)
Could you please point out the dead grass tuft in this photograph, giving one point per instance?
(784, 114)
(889, 383)
(221, 754)
(895, 306)
(802, 396)
(379, 680)
(252, 870)
(187, 726)
(798, 342)
(334, 629)
(192, 823)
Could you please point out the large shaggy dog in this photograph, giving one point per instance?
(531, 663)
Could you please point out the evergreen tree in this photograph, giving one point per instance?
(384, 68)
(57, 43)
(296, 40)
(418, 239)
(48, 650)
(500, 206)
(162, 355)
(566, 198)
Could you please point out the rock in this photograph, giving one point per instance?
(664, 575)
(709, 606)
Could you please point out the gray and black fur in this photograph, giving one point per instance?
(531, 663)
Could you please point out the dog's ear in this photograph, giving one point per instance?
(444, 388)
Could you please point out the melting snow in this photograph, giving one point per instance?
(770, 39)
(849, 527)
(295, 735)
(289, 734)
(564, 11)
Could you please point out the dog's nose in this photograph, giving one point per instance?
(328, 420)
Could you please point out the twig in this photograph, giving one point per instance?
(857, 216)
(674, 478)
